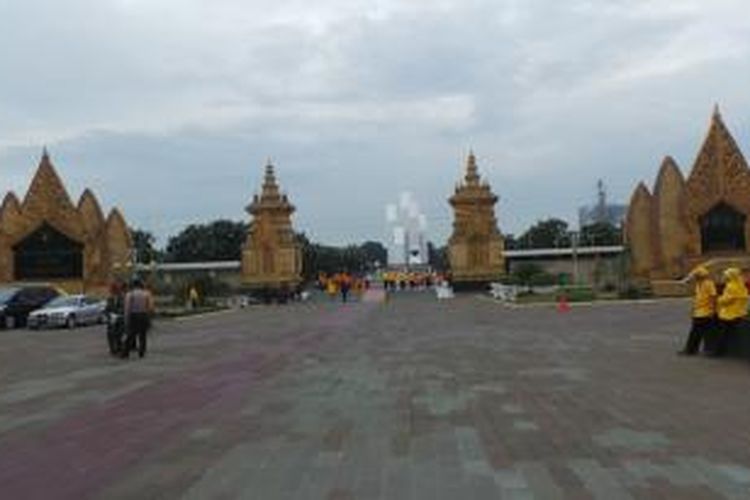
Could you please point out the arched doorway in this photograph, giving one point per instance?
(48, 254)
(723, 229)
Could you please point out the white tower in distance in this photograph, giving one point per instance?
(406, 226)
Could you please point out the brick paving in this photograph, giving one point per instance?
(408, 399)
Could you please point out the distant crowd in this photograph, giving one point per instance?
(345, 285)
(411, 280)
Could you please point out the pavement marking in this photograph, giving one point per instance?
(633, 440)
(525, 426)
(600, 482)
(596, 303)
(204, 315)
(540, 481)
(512, 409)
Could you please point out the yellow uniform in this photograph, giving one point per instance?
(704, 309)
(733, 301)
(704, 300)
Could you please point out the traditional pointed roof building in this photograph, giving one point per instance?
(686, 222)
(476, 246)
(48, 238)
(271, 257)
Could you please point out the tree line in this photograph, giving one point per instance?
(222, 240)
(556, 233)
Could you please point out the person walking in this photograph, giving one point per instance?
(139, 305)
(332, 288)
(115, 317)
(732, 307)
(346, 285)
(193, 298)
(704, 310)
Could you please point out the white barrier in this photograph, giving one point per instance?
(504, 293)
(444, 291)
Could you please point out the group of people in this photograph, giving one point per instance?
(129, 311)
(716, 312)
(410, 280)
(342, 284)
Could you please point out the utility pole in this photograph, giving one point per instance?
(574, 245)
(601, 206)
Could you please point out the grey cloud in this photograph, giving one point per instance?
(169, 108)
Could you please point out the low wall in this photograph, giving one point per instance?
(670, 288)
(590, 269)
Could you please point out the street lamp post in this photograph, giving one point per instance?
(574, 235)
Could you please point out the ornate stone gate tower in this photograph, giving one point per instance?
(271, 257)
(48, 238)
(701, 219)
(476, 247)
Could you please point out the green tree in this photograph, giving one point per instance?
(309, 257)
(549, 233)
(438, 257)
(511, 243)
(374, 252)
(600, 234)
(531, 273)
(526, 272)
(144, 245)
(318, 258)
(215, 241)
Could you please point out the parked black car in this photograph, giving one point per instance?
(17, 302)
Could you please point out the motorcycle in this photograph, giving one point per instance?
(115, 333)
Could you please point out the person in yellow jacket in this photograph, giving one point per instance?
(704, 310)
(193, 297)
(732, 307)
(332, 287)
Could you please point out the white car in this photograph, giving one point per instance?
(69, 311)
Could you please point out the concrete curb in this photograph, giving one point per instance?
(598, 303)
(204, 315)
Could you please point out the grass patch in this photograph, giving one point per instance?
(181, 312)
(573, 294)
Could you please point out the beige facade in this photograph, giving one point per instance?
(475, 248)
(271, 257)
(48, 214)
(704, 219)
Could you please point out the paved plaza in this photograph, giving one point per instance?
(409, 399)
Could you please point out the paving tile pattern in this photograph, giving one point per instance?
(405, 399)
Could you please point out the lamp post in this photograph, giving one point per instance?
(152, 268)
(574, 235)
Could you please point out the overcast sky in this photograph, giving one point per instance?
(170, 108)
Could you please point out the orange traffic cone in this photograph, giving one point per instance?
(562, 304)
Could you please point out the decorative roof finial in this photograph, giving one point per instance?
(269, 172)
(45, 153)
(717, 111)
(472, 172)
(270, 187)
(269, 167)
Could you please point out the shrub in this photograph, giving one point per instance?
(543, 279)
(579, 294)
(634, 292)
